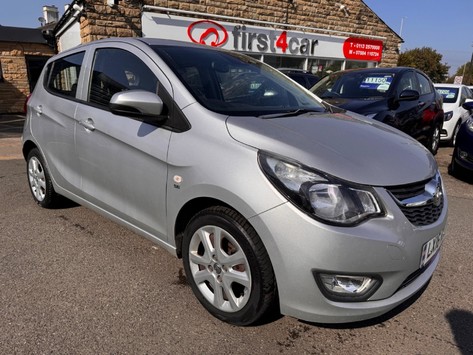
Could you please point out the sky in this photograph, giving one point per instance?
(442, 26)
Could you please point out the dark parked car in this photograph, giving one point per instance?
(401, 97)
(462, 158)
(303, 77)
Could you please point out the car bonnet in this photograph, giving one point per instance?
(346, 146)
(359, 105)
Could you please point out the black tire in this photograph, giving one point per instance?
(454, 169)
(39, 180)
(455, 132)
(235, 282)
(433, 142)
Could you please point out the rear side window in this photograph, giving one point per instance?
(116, 70)
(63, 75)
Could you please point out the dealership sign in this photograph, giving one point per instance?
(249, 39)
(363, 49)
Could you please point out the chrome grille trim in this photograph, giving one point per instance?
(422, 203)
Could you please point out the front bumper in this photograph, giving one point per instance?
(389, 247)
(463, 152)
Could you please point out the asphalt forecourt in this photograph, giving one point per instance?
(74, 282)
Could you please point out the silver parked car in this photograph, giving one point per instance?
(269, 196)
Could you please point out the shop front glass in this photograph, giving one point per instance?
(284, 61)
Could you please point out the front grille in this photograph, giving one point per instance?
(423, 216)
(407, 191)
(427, 213)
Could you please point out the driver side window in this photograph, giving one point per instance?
(116, 70)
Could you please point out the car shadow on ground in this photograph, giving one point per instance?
(461, 322)
(64, 203)
(464, 176)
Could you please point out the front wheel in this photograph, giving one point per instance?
(455, 133)
(433, 142)
(228, 267)
(39, 181)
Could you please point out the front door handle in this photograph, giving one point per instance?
(88, 124)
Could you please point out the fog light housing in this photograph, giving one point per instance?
(347, 288)
(463, 155)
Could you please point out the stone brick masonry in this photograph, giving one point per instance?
(15, 88)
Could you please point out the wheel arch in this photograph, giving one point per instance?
(28, 146)
(189, 210)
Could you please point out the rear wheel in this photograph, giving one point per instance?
(228, 267)
(39, 180)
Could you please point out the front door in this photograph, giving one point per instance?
(122, 160)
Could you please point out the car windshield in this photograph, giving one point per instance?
(354, 85)
(449, 95)
(235, 84)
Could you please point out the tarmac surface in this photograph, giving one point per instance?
(11, 126)
(73, 282)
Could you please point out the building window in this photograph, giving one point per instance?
(1, 73)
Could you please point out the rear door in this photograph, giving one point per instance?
(122, 159)
(428, 107)
(53, 106)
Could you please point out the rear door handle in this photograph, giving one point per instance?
(39, 110)
(88, 124)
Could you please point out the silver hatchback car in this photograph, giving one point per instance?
(274, 200)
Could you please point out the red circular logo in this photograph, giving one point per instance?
(208, 31)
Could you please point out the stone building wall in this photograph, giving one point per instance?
(102, 21)
(15, 87)
(124, 19)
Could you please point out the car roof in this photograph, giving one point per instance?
(138, 41)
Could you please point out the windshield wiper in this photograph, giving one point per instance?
(297, 112)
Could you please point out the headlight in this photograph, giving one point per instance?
(322, 197)
(448, 116)
(469, 124)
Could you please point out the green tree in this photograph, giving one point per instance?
(465, 70)
(427, 60)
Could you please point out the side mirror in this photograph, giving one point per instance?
(138, 103)
(468, 105)
(408, 95)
